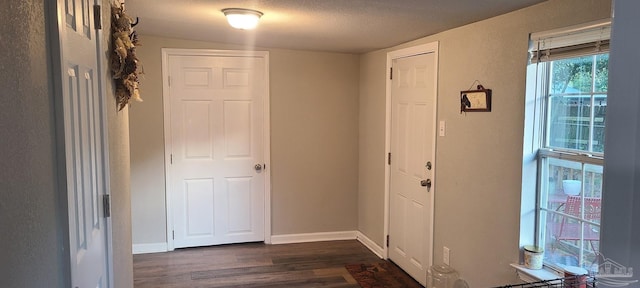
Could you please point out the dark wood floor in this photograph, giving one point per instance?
(318, 264)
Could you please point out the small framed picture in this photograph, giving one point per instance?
(475, 100)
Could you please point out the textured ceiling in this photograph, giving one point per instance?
(353, 26)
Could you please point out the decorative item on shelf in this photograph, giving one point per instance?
(478, 100)
(124, 62)
(533, 256)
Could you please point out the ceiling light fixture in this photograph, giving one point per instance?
(245, 19)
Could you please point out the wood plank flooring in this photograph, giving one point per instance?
(317, 264)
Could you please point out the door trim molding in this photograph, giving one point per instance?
(392, 55)
(166, 53)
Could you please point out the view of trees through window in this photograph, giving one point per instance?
(578, 103)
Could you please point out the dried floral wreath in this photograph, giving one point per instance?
(124, 63)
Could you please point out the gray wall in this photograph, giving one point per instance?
(33, 225)
(314, 141)
(479, 161)
(119, 168)
(31, 240)
(372, 154)
(621, 204)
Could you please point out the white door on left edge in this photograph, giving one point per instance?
(216, 175)
(85, 144)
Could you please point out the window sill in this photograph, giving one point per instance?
(530, 275)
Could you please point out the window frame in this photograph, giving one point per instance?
(545, 152)
(592, 94)
(583, 160)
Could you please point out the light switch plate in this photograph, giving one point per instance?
(441, 128)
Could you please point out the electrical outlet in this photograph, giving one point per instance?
(445, 255)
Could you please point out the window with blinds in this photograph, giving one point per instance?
(570, 87)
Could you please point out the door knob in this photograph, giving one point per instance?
(258, 167)
(426, 183)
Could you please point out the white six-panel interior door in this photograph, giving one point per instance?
(85, 144)
(216, 174)
(412, 143)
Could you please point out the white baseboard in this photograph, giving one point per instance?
(150, 248)
(313, 237)
(375, 248)
(285, 239)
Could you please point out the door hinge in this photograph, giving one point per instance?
(106, 205)
(387, 240)
(391, 73)
(97, 17)
(173, 234)
(169, 80)
(389, 159)
(171, 160)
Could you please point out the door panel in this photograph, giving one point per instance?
(216, 134)
(198, 132)
(239, 191)
(198, 195)
(412, 142)
(237, 128)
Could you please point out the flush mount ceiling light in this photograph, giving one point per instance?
(240, 18)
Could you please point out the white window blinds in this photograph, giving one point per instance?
(584, 39)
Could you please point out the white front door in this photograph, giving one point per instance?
(412, 143)
(217, 173)
(85, 143)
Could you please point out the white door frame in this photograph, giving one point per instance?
(166, 53)
(397, 54)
